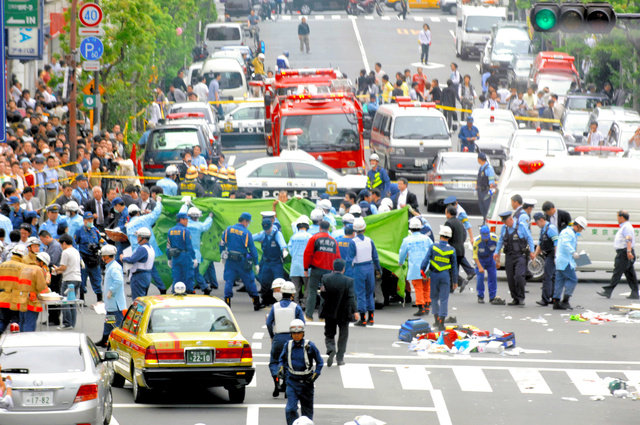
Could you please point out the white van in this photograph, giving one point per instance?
(595, 187)
(473, 28)
(233, 84)
(408, 136)
(218, 35)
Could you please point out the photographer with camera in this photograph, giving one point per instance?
(88, 241)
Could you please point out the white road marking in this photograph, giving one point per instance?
(336, 17)
(390, 327)
(478, 67)
(441, 408)
(319, 17)
(359, 407)
(258, 335)
(633, 376)
(418, 18)
(114, 421)
(256, 345)
(588, 382)
(365, 61)
(472, 379)
(430, 65)
(386, 18)
(452, 35)
(529, 381)
(368, 18)
(254, 381)
(451, 19)
(356, 376)
(414, 378)
(285, 18)
(435, 19)
(253, 415)
(232, 160)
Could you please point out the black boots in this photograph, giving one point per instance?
(420, 311)
(557, 305)
(363, 320)
(370, 321)
(257, 305)
(439, 323)
(565, 302)
(227, 300)
(276, 387)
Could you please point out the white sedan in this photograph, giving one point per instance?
(298, 173)
(525, 143)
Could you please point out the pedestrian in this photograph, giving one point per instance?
(214, 93)
(547, 247)
(377, 176)
(300, 364)
(449, 98)
(297, 245)
(182, 258)
(485, 185)
(178, 81)
(440, 265)
(202, 90)
(114, 301)
(274, 251)
(141, 262)
(71, 276)
(457, 240)
(278, 321)
(319, 254)
(517, 241)
(24, 297)
(595, 138)
(404, 8)
(435, 92)
(367, 268)
(303, 35)
(548, 113)
(282, 61)
(239, 255)
(424, 40)
(467, 95)
(566, 255)
(484, 246)
(338, 309)
(387, 89)
(88, 241)
(455, 76)
(413, 249)
(623, 243)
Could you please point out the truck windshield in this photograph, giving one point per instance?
(482, 23)
(420, 127)
(223, 34)
(174, 139)
(326, 132)
(512, 40)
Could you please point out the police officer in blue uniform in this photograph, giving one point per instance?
(274, 251)
(278, 321)
(485, 184)
(168, 183)
(484, 246)
(297, 362)
(142, 262)
(239, 253)
(182, 258)
(88, 242)
(197, 228)
(138, 221)
(366, 264)
(377, 177)
(441, 265)
(518, 244)
(547, 246)
(53, 220)
(347, 249)
(16, 215)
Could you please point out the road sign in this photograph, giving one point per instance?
(21, 13)
(89, 88)
(89, 101)
(90, 15)
(91, 48)
(91, 65)
(91, 31)
(24, 43)
(3, 86)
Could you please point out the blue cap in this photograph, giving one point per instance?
(30, 214)
(324, 196)
(182, 215)
(537, 216)
(484, 230)
(13, 200)
(363, 205)
(117, 201)
(450, 200)
(505, 214)
(364, 192)
(469, 118)
(482, 156)
(87, 215)
(245, 216)
(266, 223)
(53, 208)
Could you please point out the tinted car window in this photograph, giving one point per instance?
(223, 34)
(274, 169)
(308, 171)
(482, 23)
(420, 127)
(43, 359)
(192, 319)
(172, 139)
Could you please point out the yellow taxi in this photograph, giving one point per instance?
(171, 341)
(414, 4)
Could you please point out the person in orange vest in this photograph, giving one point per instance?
(24, 298)
(9, 273)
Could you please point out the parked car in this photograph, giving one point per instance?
(192, 109)
(585, 101)
(606, 116)
(495, 129)
(217, 35)
(238, 7)
(574, 124)
(531, 144)
(508, 41)
(451, 174)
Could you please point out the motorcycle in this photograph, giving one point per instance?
(357, 7)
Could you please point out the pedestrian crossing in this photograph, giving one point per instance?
(393, 17)
(469, 379)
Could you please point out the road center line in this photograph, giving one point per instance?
(365, 61)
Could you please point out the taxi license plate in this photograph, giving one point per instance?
(199, 356)
(465, 185)
(422, 162)
(37, 398)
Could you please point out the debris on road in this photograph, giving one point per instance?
(594, 318)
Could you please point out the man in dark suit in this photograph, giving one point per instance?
(458, 236)
(338, 310)
(559, 218)
(404, 197)
(99, 207)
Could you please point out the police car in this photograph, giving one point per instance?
(298, 173)
(495, 128)
(244, 124)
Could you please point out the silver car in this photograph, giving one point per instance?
(57, 379)
(452, 174)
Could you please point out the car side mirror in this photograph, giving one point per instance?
(110, 356)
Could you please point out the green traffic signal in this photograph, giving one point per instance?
(545, 19)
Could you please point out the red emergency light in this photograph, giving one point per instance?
(530, 167)
(492, 118)
(311, 71)
(293, 132)
(416, 104)
(586, 149)
(256, 83)
(183, 115)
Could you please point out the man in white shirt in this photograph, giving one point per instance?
(595, 138)
(201, 90)
(623, 243)
(424, 37)
(70, 265)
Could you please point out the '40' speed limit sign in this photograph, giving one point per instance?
(90, 15)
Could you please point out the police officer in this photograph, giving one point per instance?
(121, 216)
(296, 246)
(547, 246)
(441, 266)
(74, 220)
(377, 177)
(224, 182)
(141, 264)
(326, 206)
(517, 241)
(274, 251)
(16, 214)
(566, 255)
(239, 254)
(31, 218)
(168, 183)
(366, 265)
(53, 220)
(278, 321)
(297, 365)
(414, 247)
(484, 246)
(88, 241)
(197, 228)
(115, 301)
(182, 258)
(485, 185)
(316, 216)
(347, 248)
(271, 215)
(347, 219)
(191, 187)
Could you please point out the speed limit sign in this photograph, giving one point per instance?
(90, 15)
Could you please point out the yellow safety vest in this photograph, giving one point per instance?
(442, 260)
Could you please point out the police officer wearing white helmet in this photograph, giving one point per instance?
(114, 301)
(566, 255)
(366, 264)
(297, 245)
(355, 211)
(197, 229)
(278, 321)
(74, 220)
(168, 183)
(347, 219)
(317, 215)
(300, 364)
(377, 177)
(326, 207)
(142, 262)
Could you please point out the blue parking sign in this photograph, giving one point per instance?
(91, 48)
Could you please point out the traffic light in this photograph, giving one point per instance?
(573, 17)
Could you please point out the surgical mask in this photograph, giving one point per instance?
(341, 211)
(89, 225)
(277, 296)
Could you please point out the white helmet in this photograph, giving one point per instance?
(179, 288)
(445, 231)
(384, 208)
(325, 204)
(317, 215)
(133, 208)
(303, 420)
(581, 221)
(374, 157)
(71, 206)
(359, 225)
(348, 218)
(277, 283)
(296, 325)
(355, 209)
(108, 251)
(143, 232)
(171, 170)
(194, 212)
(303, 219)
(44, 257)
(387, 201)
(415, 223)
(288, 288)
(32, 241)
(20, 250)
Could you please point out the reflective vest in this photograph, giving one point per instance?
(513, 244)
(282, 316)
(482, 182)
(377, 181)
(441, 259)
(147, 265)
(546, 243)
(307, 363)
(270, 249)
(188, 188)
(364, 250)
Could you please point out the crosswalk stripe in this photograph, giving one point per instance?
(418, 18)
(588, 382)
(286, 18)
(435, 19)
(319, 17)
(369, 18)
(451, 19)
(254, 381)
(335, 16)
(471, 378)
(386, 18)
(414, 378)
(356, 376)
(633, 376)
(530, 381)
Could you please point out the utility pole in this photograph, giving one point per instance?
(73, 107)
(97, 108)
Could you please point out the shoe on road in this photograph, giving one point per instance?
(332, 355)
(604, 294)
(64, 328)
(543, 303)
(497, 301)
(480, 300)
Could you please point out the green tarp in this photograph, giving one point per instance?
(387, 230)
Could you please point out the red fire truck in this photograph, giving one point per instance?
(331, 119)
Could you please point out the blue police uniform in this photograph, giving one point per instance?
(114, 283)
(142, 262)
(52, 226)
(84, 238)
(81, 195)
(348, 253)
(5, 223)
(237, 240)
(365, 261)
(147, 220)
(313, 229)
(278, 321)
(566, 279)
(297, 245)
(484, 246)
(271, 264)
(182, 255)
(379, 179)
(465, 132)
(297, 360)
(486, 178)
(442, 265)
(16, 217)
(548, 242)
(169, 187)
(74, 224)
(197, 228)
(517, 243)
(426, 228)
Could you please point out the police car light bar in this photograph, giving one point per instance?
(530, 167)
(586, 149)
(293, 132)
(417, 104)
(309, 71)
(183, 115)
(323, 96)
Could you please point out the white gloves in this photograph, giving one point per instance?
(576, 255)
(285, 253)
(186, 200)
(257, 269)
(159, 198)
(195, 262)
(169, 263)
